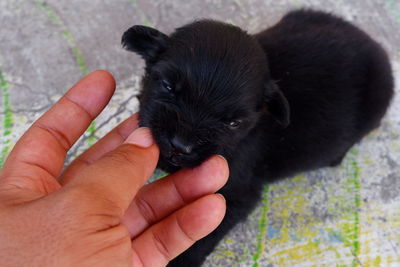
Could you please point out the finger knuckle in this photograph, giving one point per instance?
(84, 203)
(123, 155)
(161, 246)
(146, 210)
(58, 135)
(184, 231)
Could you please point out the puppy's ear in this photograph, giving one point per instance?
(145, 41)
(277, 104)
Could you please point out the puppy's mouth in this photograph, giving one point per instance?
(174, 161)
(170, 161)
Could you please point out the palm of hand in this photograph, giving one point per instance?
(97, 212)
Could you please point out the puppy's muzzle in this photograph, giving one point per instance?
(180, 151)
(180, 147)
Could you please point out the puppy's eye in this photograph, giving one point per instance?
(234, 124)
(167, 86)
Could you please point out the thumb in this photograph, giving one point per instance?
(118, 175)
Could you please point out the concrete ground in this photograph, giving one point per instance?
(344, 216)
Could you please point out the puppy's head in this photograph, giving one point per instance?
(205, 88)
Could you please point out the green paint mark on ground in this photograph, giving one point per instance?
(67, 35)
(239, 3)
(50, 12)
(231, 22)
(262, 227)
(227, 253)
(158, 174)
(133, 3)
(353, 184)
(394, 8)
(147, 22)
(377, 261)
(7, 119)
(79, 59)
(91, 131)
(357, 200)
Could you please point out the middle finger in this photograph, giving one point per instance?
(159, 199)
(106, 144)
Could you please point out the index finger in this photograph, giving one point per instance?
(116, 177)
(39, 155)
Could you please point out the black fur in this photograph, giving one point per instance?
(292, 98)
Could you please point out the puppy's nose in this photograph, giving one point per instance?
(180, 146)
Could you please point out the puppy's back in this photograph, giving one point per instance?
(338, 82)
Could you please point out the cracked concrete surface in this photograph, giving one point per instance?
(344, 216)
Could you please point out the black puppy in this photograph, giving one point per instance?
(292, 98)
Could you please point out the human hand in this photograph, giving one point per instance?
(97, 211)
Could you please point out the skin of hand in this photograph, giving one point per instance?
(98, 212)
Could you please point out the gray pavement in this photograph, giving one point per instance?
(344, 216)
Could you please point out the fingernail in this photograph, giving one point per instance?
(141, 137)
(220, 195)
(219, 155)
